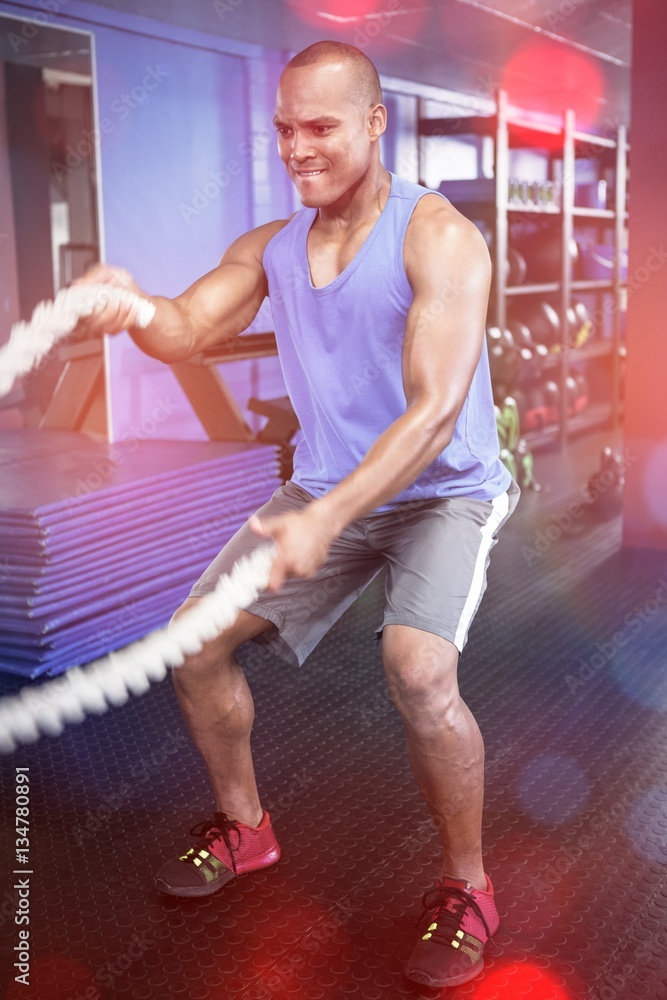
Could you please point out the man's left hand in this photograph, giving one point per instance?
(302, 542)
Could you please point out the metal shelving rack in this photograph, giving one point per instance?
(571, 144)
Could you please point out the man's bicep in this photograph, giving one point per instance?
(450, 277)
(225, 301)
(222, 303)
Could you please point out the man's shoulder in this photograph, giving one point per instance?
(438, 234)
(433, 209)
(251, 246)
(435, 221)
(263, 235)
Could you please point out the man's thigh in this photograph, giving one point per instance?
(303, 610)
(246, 626)
(438, 553)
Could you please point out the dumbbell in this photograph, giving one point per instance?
(577, 393)
(519, 397)
(517, 268)
(507, 458)
(507, 423)
(496, 351)
(525, 476)
(522, 336)
(536, 412)
(505, 359)
(605, 486)
(543, 253)
(542, 321)
(552, 401)
(580, 325)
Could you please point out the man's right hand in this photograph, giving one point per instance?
(110, 317)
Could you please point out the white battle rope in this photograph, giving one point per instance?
(51, 322)
(46, 709)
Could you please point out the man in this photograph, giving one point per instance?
(379, 291)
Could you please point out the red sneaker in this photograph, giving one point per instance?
(225, 849)
(451, 947)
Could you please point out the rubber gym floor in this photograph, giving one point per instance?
(565, 673)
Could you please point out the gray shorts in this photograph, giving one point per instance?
(436, 553)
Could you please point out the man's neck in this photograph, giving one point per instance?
(362, 202)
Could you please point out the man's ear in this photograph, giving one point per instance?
(377, 122)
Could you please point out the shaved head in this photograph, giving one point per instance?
(365, 89)
(329, 119)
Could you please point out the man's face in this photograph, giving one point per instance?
(324, 139)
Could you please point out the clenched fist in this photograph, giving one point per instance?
(109, 317)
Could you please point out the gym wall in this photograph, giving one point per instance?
(9, 297)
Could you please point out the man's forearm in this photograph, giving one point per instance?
(168, 337)
(396, 459)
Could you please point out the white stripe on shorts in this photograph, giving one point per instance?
(500, 507)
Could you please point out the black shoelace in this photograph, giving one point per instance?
(449, 920)
(207, 831)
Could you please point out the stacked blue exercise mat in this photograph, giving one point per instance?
(99, 543)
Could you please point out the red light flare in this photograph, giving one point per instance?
(340, 15)
(525, 980)
(311, 935)
(547, 78)
(371, 25)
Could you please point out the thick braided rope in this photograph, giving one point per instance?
(46, 710)
(51, 322)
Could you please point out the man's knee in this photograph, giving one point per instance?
(420, 668)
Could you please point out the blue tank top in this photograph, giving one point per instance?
(340, 352)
